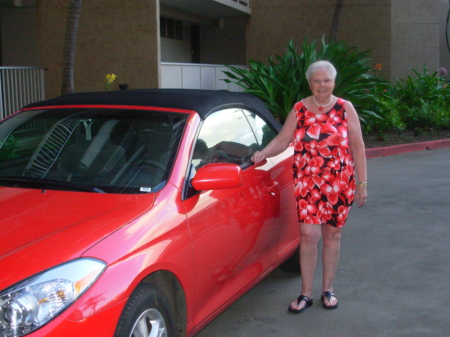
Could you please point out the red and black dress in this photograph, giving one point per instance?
(323, 166)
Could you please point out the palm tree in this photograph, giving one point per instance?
(336, 17)
(70, 43)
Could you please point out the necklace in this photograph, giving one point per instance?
(320, 107)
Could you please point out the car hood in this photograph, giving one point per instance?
(40, 229)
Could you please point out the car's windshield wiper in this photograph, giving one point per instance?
(46, 183)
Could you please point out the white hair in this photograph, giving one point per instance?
(321, 65)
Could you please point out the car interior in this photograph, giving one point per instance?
(121, 153)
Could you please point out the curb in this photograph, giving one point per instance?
(397, 149)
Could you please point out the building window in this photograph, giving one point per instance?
(171, 29)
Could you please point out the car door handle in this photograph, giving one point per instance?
(273, 188)
(261, 163)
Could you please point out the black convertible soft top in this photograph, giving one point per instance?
(203, 102)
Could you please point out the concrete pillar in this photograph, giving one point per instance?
(444, 55)
(415, 36)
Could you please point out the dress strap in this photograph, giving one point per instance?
(298, 106)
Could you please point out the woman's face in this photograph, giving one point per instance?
(321, 84)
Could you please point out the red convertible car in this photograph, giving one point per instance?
(138, 212)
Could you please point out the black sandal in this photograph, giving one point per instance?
(308, 303)
(328, 295)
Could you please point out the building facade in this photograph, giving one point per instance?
(136, 40)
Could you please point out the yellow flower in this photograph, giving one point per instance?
(109, 79)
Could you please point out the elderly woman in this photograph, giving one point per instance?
(329, 151)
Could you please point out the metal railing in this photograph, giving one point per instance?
(20, 86)
(196, 76)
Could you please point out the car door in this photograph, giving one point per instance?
(234, 231)
(289, 230)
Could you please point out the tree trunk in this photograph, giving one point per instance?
(70, 43)
(336, 18)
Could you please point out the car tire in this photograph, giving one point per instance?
(292, 264)
(147, 309)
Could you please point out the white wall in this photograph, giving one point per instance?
(196, 76)
(177, 50)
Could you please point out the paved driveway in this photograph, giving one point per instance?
(394, 274)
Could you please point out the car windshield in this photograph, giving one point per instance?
(98, 150)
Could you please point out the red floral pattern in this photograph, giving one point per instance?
(323, 166)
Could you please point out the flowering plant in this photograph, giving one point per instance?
(109, 79)
(442, 72)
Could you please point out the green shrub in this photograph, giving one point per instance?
(419, 103)
(282, 81)
(413, 91)
(425, 116)
(279, 85)
(390, 119)
(423, 102)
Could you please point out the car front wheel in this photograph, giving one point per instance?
(146, 314)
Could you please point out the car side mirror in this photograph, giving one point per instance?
(217, 176)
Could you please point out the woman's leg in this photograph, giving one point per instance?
(309, 241)
(330, 258)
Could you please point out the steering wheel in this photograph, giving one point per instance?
(154, 163)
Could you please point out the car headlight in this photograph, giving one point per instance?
(33, 302)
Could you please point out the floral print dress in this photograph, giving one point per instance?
(323, 166)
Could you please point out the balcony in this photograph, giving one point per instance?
(211, 8)
(196, 76)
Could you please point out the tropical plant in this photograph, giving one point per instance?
(388, 109)
(277, 84)
(281, 83)
(70, 43)
(423, 101)
(356, 80)
(426, 87)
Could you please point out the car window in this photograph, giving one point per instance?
(109, 150)
(263, 132)
(227, 137)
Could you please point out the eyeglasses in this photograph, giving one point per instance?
(326, 82)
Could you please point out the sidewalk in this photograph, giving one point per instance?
(396, 149)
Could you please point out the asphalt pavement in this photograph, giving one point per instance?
(394, 274)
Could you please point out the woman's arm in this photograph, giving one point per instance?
(358, 151)
(280, 142)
